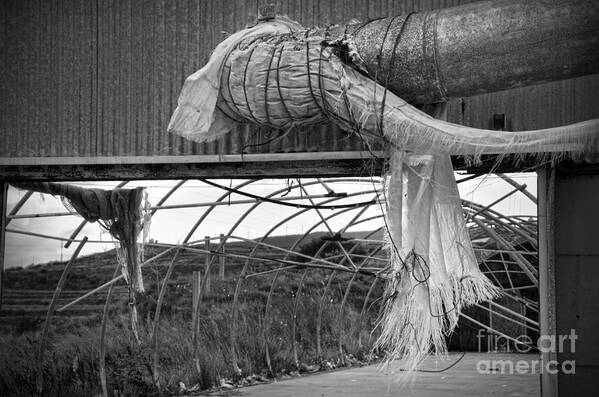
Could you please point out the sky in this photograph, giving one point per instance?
(172, 225)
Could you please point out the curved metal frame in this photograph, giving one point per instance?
(246, 265)
(487, 222)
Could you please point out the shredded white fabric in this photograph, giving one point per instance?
(125, 213)
(435, 272)
(196, 116)
(278, 75)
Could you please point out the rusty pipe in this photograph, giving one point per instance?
(479, 47)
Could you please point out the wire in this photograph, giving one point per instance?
(436, 371)
(284, 203)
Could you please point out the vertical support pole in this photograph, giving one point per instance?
(39, 379)
(221, 258)
(547, 325)
(196, 282)
(207, 259)
(3, 222)
(492, 344)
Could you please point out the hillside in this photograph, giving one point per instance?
(322, 326)
(28, 290)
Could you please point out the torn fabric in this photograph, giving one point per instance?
(123, 212)
(277, 75)
(434, 272)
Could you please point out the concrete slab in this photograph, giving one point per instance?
(462, 380)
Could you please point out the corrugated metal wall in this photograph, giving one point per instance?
(540, 106)
(48, 78)
(101, 78)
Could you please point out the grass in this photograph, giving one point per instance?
(72, 357)
(71, 365)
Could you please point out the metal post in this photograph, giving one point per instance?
(547, 326)
(195, 296)
(207, 259)
(3, 221)
(39, 380)
(492, 341)
(221, 259)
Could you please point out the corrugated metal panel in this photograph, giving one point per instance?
(54, 75)
(48, 78)
(541, 106)
(101, 78)
(575, 257)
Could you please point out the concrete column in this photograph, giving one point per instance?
(545, 211)
(569, 276)
(577, 278)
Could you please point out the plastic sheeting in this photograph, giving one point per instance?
(434, 270)
(123, 212)
(278, 76)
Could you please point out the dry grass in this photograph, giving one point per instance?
(71, 364)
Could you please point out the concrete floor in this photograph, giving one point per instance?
(462, 380)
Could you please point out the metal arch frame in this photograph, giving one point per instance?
(223, 241)
(228, 235)
(496, 236)
(275, 277)
(364, 310)
(156, 323)
(524, 264)
(345, 296)
(518, 186)
(247, 264)
(325, 291)
(485, 215)
(102, 348)
(497, 217)
(18, 206)
(346, 257)
(495, 225)
(511, 225)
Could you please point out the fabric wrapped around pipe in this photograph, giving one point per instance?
(279, 75)
(125, 213)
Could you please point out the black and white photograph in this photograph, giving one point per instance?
(289, 198)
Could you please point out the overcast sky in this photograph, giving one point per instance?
(172, 225)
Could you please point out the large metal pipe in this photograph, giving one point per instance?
(480, 47)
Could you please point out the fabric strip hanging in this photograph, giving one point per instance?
(123, 212)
